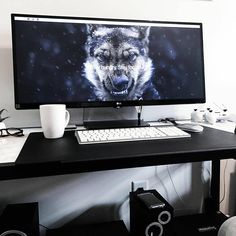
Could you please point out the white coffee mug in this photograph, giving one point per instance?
(54, 118)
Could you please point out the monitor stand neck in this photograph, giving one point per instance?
(124, 123)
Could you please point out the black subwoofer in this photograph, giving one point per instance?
(20, 220)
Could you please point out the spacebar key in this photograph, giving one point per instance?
(113, 138)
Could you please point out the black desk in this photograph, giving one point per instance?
(44, 157)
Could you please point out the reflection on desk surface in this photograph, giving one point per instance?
(11, 146)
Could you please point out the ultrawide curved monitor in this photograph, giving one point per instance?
(87, 62)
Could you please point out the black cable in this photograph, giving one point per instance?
(166, 120)
(139, 110)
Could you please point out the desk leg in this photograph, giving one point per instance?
(215, 184)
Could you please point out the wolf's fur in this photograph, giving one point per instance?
(118, 65)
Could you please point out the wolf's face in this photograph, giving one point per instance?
(117, 61)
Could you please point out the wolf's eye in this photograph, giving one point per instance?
(103, 56)
(130, 56)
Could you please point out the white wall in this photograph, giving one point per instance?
(62, 198)
(103, 196)
(219, 38)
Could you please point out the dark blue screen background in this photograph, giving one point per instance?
(50, 56)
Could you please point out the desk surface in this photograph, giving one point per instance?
(42, 157)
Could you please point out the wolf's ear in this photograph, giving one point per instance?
(144, 32)
(91, 28)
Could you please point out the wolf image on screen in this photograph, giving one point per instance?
(118, 65)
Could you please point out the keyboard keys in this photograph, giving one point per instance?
(129, 134)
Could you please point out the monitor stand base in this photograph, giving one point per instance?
(114, 124)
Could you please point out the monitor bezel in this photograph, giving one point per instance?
(116, 104)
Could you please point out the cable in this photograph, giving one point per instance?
(180, 198)
(139, 111)
(203, 169)
(163, 185)
(172, 120)
(224, 186)
(83, 117)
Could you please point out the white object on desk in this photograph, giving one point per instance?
(232, 117)
(197, 116)
(210, 117)
(129, 134)
(191, 127)
(54, 118)
(224, 126)
(11, 146)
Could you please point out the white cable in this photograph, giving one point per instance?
(163, 185)
(204, 178)
(224, 186)
(180, 198)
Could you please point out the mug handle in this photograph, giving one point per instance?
(67, 118)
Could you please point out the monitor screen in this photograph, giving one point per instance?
(87, 62)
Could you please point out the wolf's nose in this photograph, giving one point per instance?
(121, 82)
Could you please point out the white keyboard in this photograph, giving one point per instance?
(129, 134)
